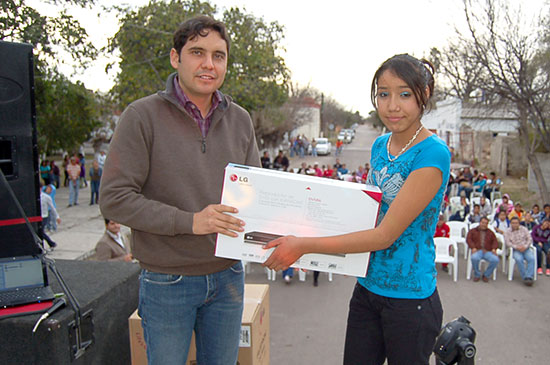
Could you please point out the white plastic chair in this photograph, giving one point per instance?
(512, 263)
(458, 233)
(470, 267)
(443, 256)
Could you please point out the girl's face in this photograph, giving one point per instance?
(396, 104)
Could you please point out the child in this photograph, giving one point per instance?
(411, 166)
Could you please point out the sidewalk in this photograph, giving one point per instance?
(81, 226)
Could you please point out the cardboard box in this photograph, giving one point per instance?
(254, 341)
(275, 203)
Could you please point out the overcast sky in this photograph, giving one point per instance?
(334, 46)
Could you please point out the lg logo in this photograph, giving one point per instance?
(234, 178)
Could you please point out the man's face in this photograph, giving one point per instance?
(514, 224)
(201, 65)
(545, 225)
(547, 210)
(476, 210)
(482, 200)
(113, 227)
(483, 224)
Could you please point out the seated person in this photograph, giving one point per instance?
(516, 212)
(460, 211)
(541, 235)
(505, 205)
(493, 184)
(519, 239)
(442, 230)
(483, 243)
(112, 246)
(475, 216)
(501, 223)
(528, 222)
(537, 214)
(485, 206)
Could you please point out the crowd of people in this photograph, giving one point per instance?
(496, 223)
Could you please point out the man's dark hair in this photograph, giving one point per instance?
(546, 205)
(514, 218)
(484, 217)
(199, 26)
(107, 221)
(477, 205)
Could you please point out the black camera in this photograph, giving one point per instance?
(455, 343)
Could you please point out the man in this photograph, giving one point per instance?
(485, 207)
(73, 169)
(266, 161)
(112, 246)
(484, 244)
(541, 237)
(163, 179)
(101, 159)
(281, 162)
(519, 239)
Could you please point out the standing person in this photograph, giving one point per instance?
(51, 191)
(95, 177)
(82, 161)
(163, 178)
(48, 212)
(65, 165)
(519, 239)
(55, 174)
(45, 170)
(395, 312)
(101, 159)
(314, 147)
(73, 170)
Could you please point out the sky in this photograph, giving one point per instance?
(334, 46)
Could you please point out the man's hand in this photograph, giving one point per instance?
(128, 257)
(286, 253)
(213, 219)
(58, 220)
(474, 250)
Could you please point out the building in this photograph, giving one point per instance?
(308, 117)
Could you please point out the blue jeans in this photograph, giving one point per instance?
(546, 249)
(289, 272)
(73, 192)
(172, 306)
(528, 256)
(94, 191)
(487, 256)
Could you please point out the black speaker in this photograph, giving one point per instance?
(18, 150)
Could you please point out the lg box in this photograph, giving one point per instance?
(276, 203)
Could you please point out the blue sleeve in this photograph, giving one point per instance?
(436, 155)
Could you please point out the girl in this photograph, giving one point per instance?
(395, 311)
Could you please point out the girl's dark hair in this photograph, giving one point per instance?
(199, 26)
(417, 74)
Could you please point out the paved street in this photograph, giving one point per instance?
(308, 323)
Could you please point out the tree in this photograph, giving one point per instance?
(256, 78)
(66, 111)
(511, 67)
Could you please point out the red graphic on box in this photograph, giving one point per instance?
(233, 177)
(374, 194)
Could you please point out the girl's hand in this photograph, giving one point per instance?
(286, 253)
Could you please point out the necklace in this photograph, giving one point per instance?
(404, 148)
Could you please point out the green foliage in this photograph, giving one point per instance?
(256, 76)
(67, 113)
